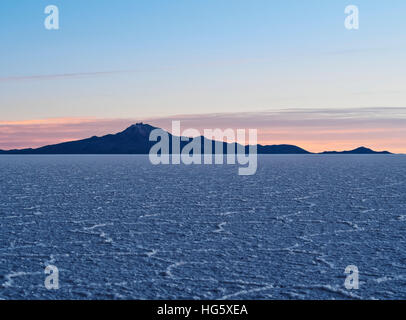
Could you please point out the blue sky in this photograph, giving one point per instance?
(141, 59)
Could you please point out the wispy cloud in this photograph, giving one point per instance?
(313, 129)
(73, 75)
(39, 132)
(64, 75)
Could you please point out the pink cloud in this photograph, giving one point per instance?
(36, 133)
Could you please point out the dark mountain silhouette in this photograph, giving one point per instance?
(360, 150)
(281, 149)
(135, 140)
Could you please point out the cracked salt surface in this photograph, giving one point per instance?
(119, 228)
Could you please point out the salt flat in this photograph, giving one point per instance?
(117, 227)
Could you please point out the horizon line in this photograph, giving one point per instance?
(202, 136)
(314, 129)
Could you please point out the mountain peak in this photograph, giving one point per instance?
(360, 150)
(139, 124)
(138, 129)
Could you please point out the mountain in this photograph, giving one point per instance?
(281, 149)
(135, 140)
(360, 150)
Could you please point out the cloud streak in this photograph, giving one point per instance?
(60, 76)
(64, 75)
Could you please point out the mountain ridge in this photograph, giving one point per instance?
(135, 140)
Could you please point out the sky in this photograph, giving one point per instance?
(288, 68)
